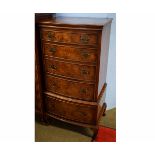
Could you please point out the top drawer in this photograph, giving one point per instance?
(71, 37)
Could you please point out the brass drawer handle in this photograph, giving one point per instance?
(83, 90)
(53, 85)
(51, 35)
(85, 55)
(84, 72)
(53, 50)
(53, 67)
(84, 38)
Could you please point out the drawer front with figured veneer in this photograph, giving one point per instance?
(70, 70)
(69, 88)
(71, 111)
(71, 37)
(72, 53)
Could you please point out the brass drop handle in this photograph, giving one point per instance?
(84, 72)
(53, 85)
(84, 38)
(53, 67)
(53, 50)
(85, 54)
(51, 35)
(83, 90)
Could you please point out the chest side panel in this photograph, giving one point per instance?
(104, 57)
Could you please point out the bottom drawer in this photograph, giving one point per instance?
(72, 111)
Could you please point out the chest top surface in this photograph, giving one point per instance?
(98, 23)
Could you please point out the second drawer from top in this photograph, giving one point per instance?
(68, 52)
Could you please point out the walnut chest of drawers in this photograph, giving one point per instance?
(73, 56)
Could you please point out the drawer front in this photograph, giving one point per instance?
(70, 53)
(75, 71)
(69, 88)
(71, 111)
(71, 37)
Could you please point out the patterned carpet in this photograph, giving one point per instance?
(59, 131)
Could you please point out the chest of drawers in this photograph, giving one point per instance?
(73, 56)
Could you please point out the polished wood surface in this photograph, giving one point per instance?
(69, 88)
(72, 111)
(70, 53)
(69, 36)
(103, 59)
(71, 70)
(69, 99)
(38, 85)
(39, 106)
(73, 55)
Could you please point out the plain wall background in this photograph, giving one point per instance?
(111, 72)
